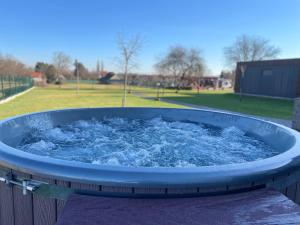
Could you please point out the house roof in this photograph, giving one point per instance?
(36, 75)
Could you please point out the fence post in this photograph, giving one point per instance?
(2, 87)
(9, 85)
(15, 84)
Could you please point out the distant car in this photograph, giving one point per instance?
(225, 83)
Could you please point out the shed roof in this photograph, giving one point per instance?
(294, 61)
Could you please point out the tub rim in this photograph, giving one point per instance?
(161, 177)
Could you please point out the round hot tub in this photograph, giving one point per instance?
(138, 152)
(225, 171)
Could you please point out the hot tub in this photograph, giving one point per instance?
(279, 171)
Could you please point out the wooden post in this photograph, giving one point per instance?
(77, 77)
(157, 94)
(243, 70)
(296, 115)
(125, 87)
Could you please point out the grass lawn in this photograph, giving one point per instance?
(54, 97)
(227, 100)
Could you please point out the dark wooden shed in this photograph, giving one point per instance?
(273, 78)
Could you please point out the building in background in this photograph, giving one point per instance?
(38, 78)
(271, 78)
(106, 77)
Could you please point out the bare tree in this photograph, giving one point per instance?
(181, 62)
(250, 48)
(80, 70)
(11, 66)
(194, 63)
(98, 68)
(62, 63)
(129, 50)
(228, 74)
(173, 62)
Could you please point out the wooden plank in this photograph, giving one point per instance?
(6, 204)
(255, 207)
(182, 190)
(149, 190)
(239, 187)
(205, 190)
(44, 209)
(297, 197)
(82, 186)
(23, 205)
(291, 192)
(117, 189)
(60, 204)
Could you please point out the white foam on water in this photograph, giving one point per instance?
(39, 122)
(145, 143)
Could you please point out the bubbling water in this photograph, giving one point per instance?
(145, 143)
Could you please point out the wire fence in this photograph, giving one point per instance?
(83, 81)
(11, 85)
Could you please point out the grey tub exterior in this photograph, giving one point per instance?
(280, 171)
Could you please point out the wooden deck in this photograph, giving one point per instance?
(36, 209)
(261, 207)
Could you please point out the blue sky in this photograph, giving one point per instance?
(32, 30)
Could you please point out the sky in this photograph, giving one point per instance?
(32, 30)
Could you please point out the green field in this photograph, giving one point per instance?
(93, 95)
(268, 107)
(55, 97)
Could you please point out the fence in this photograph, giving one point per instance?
(83, 81)
(11, 85)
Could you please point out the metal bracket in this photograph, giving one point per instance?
(25, 184)
(35, 186)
